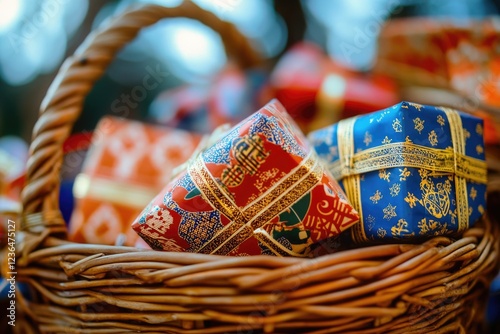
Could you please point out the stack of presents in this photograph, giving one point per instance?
(332, 159)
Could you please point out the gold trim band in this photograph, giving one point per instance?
(410, 155)
(244, 221)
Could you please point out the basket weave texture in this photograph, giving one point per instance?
(439, 286)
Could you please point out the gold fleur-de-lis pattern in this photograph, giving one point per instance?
(376, 197)
(419, 124)
(386, 140)
(404, 174)
(410, 186)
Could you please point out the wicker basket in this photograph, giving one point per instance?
(436, 287)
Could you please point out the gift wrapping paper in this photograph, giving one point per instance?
(317, 91)
(127, 164)
(441, 53)
(411, 171)
(260, 189)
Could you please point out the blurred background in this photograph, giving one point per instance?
(37, 35)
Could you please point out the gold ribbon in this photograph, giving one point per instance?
(406, 154)
(244, 221)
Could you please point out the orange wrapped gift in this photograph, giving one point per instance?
(128, 163)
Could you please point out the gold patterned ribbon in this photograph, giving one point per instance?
(458, 142)
(406, 154)
(351, 180)
(244, 221)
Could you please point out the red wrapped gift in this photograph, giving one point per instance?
(128, 163)
(260, 189)
(317, 91)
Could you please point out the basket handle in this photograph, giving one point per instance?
(64, 100)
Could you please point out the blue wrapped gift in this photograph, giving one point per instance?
(411, 171)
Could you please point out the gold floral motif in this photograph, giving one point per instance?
(433, 139)
(412, 200)
(419, 124)
(368, 138)
(404, 107)
(473, 193)
(395, 189)
(479, 129)
(408, 140)
(415, 105)
(384, 175)
(432, 227)
(466, 133)
(389, 212)
(479, 149)
(470, 211)
(386, 140)
(401, 229)
(397, 126)
(480, 208)
(381, 233)
(404, 174)
(441, 121)
(376, 197)
(371, 222)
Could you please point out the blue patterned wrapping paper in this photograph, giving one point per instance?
(412, 171)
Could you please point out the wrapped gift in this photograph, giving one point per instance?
(127, 164)
(202, 107)
(411, 171)
(441, 53)
(317, 91)
(260, 189)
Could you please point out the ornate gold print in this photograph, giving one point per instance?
(441, 121)
(384, 175)
(408, 140)
(412, 200)
(389, 212)
(433, 139)
(368, 138)
(473, 193)
(401, 229)
(479, 149)
(397, 126)
(480, 208)
(466, 133)
(395, 189)
(419, 124)
(404, 174)
(381, 233)
(415, 105)
(479, 129)
(386, 140)
(432, 227)
(376, 197)
(435, 197)
(249, 154)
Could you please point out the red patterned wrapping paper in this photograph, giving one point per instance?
(260, 189)
(126, 166)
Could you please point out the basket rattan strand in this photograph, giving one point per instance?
(439, 286)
